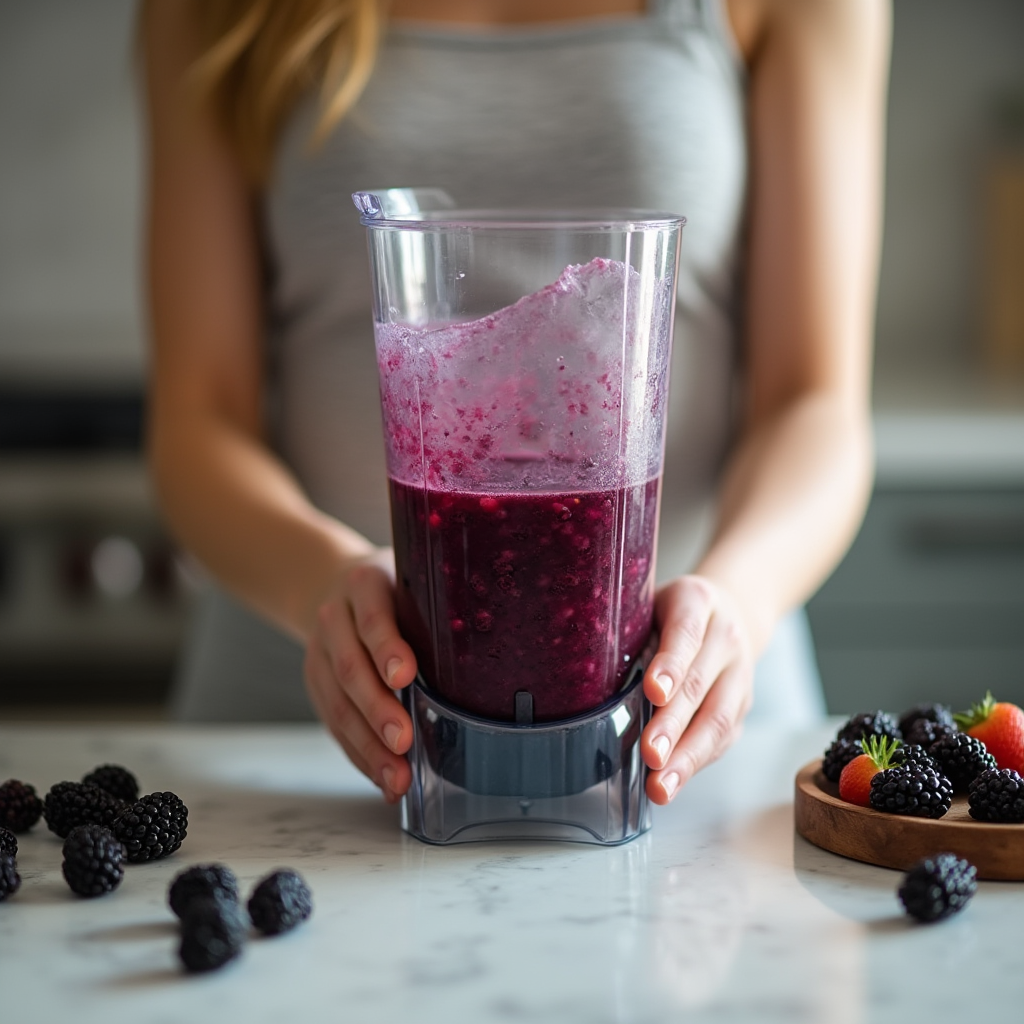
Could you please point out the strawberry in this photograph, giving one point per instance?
(1000, 726)
(855, 781)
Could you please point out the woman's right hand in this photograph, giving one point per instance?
(355, 661)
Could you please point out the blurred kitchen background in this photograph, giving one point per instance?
(929, 604)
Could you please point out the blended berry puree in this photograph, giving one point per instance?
(524, 459)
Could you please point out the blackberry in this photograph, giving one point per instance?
(997, 794)
(20, 807)
(152, 827)
(961, 758)
(938, 886)
(925, 732)
(8, 842)
(280, 902)
(913, 790)
(869, 723)
(115, 780)
(203, 880)
(914, 753)
(212, 933)
(837, 757)
(69, 804)
(937, 714)
(10, 880)
(93, 860)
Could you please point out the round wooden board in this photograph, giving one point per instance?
(893, 841)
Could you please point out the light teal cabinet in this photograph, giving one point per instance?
(928, 604)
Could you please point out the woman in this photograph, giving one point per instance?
(760, 120)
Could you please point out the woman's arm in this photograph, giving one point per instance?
(226, 496)
(798, 480)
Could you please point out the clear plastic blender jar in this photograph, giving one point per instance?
(523, 364)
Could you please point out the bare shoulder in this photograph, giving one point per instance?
(834, 28)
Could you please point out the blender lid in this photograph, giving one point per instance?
(418, 207)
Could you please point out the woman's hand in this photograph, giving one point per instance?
(355, 660)
(700, 681)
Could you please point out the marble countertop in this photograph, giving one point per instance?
(720, 913)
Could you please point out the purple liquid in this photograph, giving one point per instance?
(551, 593)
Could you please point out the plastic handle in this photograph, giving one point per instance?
(401, 203)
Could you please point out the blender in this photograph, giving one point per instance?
(523, 361)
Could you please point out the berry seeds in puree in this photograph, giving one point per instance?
(549, 593)
(524, 492)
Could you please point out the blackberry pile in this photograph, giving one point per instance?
(152, 827)
(997, 794)
(912, 790)
(213, 922)
(93, 860)
(280, 902)
(101, 827)
(104, 824)
(961, 758)
(20, 807)
(937, 887)
(69, 804)
(116, 780)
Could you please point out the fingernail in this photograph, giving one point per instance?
(392, 731)
(661, 745)
(388, 774)
(670, 783)
(664, 684)
(391, 669)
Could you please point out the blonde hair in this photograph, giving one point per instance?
(259, 56)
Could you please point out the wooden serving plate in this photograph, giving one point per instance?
(895, 841)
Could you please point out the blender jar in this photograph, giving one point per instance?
(523, 361)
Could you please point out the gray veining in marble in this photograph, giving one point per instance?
(719, 914)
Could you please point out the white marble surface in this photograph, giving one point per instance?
(719, 914)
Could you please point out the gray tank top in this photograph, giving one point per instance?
(619, 112)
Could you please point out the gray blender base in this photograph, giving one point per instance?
(581, 779)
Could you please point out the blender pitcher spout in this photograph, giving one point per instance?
(404, 203)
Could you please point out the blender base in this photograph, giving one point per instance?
(578, 780)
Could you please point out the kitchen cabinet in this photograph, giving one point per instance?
(929, 602)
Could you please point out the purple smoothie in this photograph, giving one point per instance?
(550, 593)
(524, 453)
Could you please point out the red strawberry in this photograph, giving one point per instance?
(1000, 726)
(855, 780)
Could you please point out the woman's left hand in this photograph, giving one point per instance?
(700, 681)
